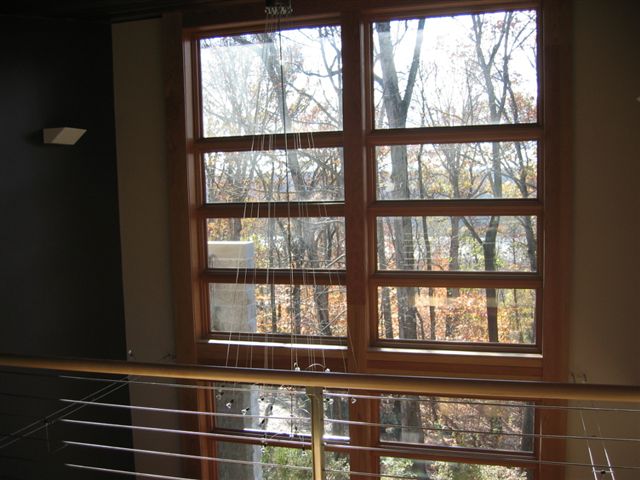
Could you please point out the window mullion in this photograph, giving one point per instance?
(273, 142)
(461, 208)
(456, 134)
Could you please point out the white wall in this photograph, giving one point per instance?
(144, 225)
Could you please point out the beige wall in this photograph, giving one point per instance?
(605, 305)
(605, 302)
(143, 196)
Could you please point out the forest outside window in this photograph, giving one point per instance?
(456, 72)
(278, 188)
(288, 217)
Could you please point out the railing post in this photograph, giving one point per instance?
(317, 431)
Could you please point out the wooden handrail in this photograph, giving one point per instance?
(506, 389)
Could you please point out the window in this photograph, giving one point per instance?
(395, 218)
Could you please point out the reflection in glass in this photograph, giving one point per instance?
(274, 176)
(276, 410)
(316, 310)
(457, 422)
(242, 89)
(460, 70)
(456, 314)
(296, 243)
(393, 468)
(275, 463)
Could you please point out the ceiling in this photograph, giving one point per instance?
(107, 10)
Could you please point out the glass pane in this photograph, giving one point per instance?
(460, 70)
(277, 410)
(456, 422)
(242, 88)
(275, 463)
(298, 243)
(274, 176)
(393, 468)
(457, 171)
(457, 314)
(318, 310)
(457, 243)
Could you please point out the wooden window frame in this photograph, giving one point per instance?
(547, 360)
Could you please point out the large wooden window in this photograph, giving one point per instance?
(374, 188)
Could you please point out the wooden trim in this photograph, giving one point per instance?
(453, 208)
(380, 10)
(366, 411)
(456, 279)
(358, 243)
(406, 345)
(272, 276)
(183, 225)
(451, 363)
(257, 26)
(556, 81)
(423, 385)
(558, 192)
(208, 469)
(234, 19)
(271, 210)
(181, 196)
(252, 16)
(302, 341)
(275, 354)
(269, 142)
(507, 458)
(462, 134)
(356, 194)
(196, 90)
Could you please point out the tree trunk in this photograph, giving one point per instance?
(528, 429)
(531, 243)
(454, 265)
(321, 301)
(274, 310)
(489, 248)
(295, 309)
(428, 253)
(396, 108)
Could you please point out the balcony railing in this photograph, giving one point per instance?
(76, 417)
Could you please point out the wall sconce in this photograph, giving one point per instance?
(62, 135)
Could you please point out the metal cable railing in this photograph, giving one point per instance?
(284, 424)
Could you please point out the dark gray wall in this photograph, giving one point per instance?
(60, 273)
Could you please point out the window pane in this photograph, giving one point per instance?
(393, 468)
(242, 87)
(457, 314)
(456, 422)
(460, 70)
(274, 176)
(276, 410)
(275, 463)
(457, 171)
(288, 309)
(457, 243)
(298, 243)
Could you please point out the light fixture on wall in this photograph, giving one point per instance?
(62, 135)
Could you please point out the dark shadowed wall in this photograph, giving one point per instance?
(60, 273)
(60, 279)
